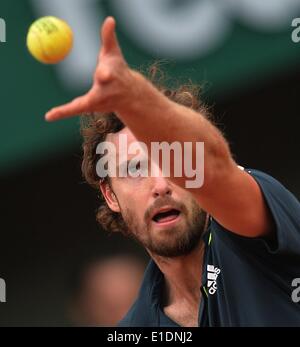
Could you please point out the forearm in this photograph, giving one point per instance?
(152, 117)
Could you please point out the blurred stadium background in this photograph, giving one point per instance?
(242, 51)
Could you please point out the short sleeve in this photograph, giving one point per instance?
(285, 210)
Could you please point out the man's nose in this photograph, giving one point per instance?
(161, 187)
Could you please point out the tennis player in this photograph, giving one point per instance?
(226, 253)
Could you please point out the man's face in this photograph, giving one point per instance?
(162, 216)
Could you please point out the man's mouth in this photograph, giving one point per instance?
(166, 215)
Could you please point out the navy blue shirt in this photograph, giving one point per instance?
(165, 321)
(245, 281)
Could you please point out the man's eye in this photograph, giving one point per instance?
(136, 170)
(132, 170)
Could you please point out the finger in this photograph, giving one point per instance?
(109, 37)
(75, 107)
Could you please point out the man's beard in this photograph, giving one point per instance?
(177, 241)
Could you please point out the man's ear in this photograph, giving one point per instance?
(110, 197)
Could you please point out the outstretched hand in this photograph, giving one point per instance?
(110, 84)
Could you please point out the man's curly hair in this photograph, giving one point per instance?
(95, 127)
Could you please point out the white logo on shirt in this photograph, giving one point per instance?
(212, 275)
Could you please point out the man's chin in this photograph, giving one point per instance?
(168, 237)
(171, 243)
(168, 251)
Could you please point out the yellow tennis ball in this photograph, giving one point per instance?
(49, 39)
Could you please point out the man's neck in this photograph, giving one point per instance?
(182, 282)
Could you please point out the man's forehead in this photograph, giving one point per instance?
(122, 140)
(115, 137)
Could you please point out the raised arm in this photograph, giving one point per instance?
(229, 194)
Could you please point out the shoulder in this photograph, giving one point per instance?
(284, 209)
(277, 196)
